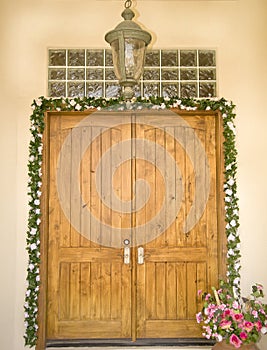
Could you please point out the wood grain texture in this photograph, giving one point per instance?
(91, 293)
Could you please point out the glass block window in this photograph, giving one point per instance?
(167, 73)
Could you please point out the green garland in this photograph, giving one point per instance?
(42, 105)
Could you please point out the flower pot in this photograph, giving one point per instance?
(223, 346)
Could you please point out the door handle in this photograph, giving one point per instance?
(140, 255)
(126, 255)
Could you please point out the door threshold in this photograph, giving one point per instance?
(128, 343)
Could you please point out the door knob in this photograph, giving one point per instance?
(140, 255)
(127, 255)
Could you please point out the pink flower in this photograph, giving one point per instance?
(235, 341)
(258, 325)
(207, 297)
(243, 335)
(259, 286)
(255, 313)
(199, 317)
(238, 317)
(227, 312)
(235, 305)
(248, 326)
(225, 324)
(199, 292)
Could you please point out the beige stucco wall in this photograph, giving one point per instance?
(237, 29)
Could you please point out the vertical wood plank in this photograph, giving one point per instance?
(86, 187)
(181, 291)
(85, 291)
(191, 290)
(64, 291)
(171, 290)
(74, 291)
(160, 291)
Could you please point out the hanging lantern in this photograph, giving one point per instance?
(128, 43)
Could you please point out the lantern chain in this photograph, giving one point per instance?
(128, 4)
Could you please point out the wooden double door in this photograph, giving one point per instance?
(133, 225)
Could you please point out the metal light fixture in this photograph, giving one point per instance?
(128, 43)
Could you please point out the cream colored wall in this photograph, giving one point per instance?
(237, 29)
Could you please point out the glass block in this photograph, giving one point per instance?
(76, 74)
(56, 89)
(169, 58)
(151, 74)
(95, 57)
(207, 74)
(95, 74)
(151, 89)
(207, 90)
(108, 58)
(188, 74)
(94, 90)
(169, 74)
(57, 73)
(76, 89)
(113, 90)
(188, 58)
(137, 90)
(152, 58)
(169, 90)
(110, 75)
(188, 90)
(206, 58)
(76, 57)
(57, 57)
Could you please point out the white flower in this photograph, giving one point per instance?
(231, 237)
(233, 223)
(264, 330)
(38, 278)
(31, 267)
(36, 202)
(228, 103)
(39, 183)
(33, 246)
(78, 107)
(229, 167)
(37, 211)
(26, 315)
(229, 192)
(28, 293)
(39, 102)
(224, 115)
(231, 252)
(31, 158)
(38, 193)
(207, 108)
(163, 106)
(236, 281)
(33, 231)
(219, 337)
(40, 149)
(98, 108)
(58, 109)
(231, 181)
(227, 199)
(72, 103)
(38, 221)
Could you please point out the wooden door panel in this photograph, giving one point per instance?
(177, 264)
(89, 287)
(150, 167)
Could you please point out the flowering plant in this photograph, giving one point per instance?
(237, 320)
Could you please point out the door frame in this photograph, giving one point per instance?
(44, 228)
